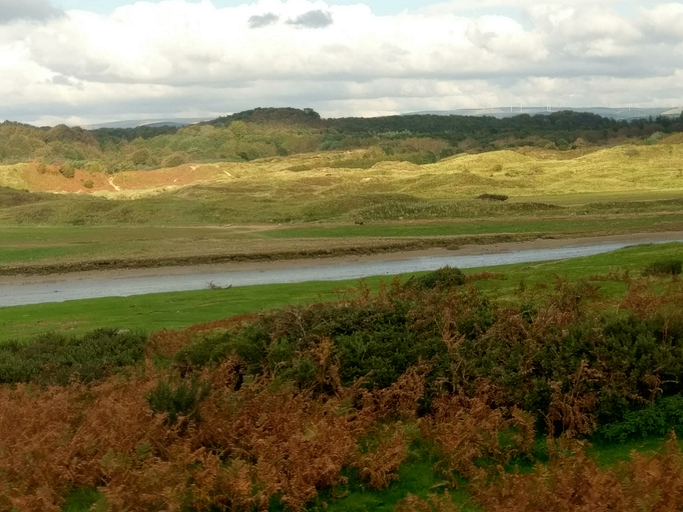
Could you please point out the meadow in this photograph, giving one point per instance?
(310, 205)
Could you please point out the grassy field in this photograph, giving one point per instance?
(112, 246)
(523, 173)
(182, 309)
(307, 205)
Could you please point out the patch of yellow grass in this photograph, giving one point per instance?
(12, 176)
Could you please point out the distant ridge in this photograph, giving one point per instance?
(152, 123)
(621, 114)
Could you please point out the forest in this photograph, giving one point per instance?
(270, 132)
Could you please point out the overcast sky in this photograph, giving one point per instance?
(89, 61)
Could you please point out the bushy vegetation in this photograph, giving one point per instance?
(493, 197)
(654, 419)
(179, 400)
(664, 267)
(265, 412)
(58, 359)
(445, 277)
(265, 133)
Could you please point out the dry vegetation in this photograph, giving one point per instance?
(269, 409)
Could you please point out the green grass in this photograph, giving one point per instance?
(120, 245)
(546, 226)
(54, 244)
(159, 311)
(610, 454)
(182, 309)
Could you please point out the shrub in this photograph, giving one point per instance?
(175, 159)
(68, 170)
(89, 184)
(181, 400)
(657, 419)
(663, 268)
(445, 277)
(207, 349)
(249, 344)
(94, 166)
(56, 359)
(493, 197)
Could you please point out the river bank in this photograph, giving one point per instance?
(19, 290)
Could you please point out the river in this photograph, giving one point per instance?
(94, 285)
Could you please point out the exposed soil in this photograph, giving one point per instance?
(125, 181)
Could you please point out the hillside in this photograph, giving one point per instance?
(268, 133)
(334, 175)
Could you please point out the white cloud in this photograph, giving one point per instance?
(148, 59)
(665, 22)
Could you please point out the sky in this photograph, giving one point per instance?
(83, 62)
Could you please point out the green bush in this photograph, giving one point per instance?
(493, 197)
(68, 170)
(657, 419)
(180, 400)
(175, 159)
(206, 349)
(249, 345)
(445, 277)
(57, 359)
(663, 268)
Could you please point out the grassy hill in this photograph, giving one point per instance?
(519, 174)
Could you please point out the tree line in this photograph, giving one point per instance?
(270, 132)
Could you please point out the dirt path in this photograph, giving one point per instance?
(468, 250)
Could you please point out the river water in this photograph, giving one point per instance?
(96, 286)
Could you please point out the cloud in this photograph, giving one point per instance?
(263, 20)
(313, 19)
(664, 22)
(192, 58)
(38, 10)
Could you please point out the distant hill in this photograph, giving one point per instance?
(283, 116)
(620, 114)
(270, 132)
(152, 123)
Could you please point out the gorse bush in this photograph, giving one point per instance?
(657, 419)
(68, 170)
(58, 359)
(571, 368)
(444, 277)
(664, 267)
(493, 197)
(182, 399)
